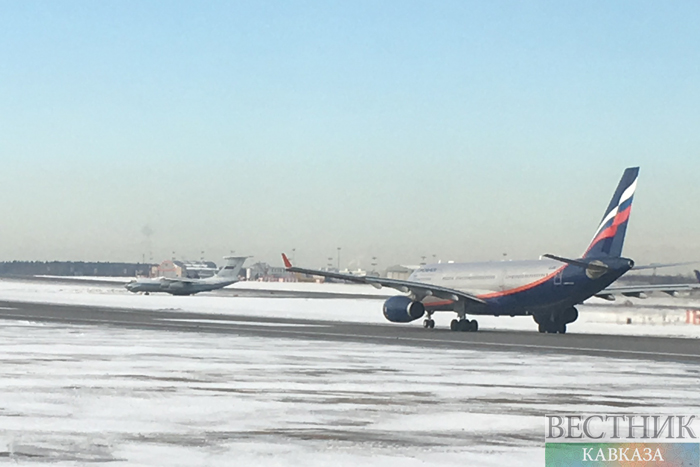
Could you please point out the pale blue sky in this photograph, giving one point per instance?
(390, 129)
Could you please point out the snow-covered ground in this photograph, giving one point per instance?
(73, 395)
(600, 317)
(116, 280)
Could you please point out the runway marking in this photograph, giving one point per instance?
(7, 308)
(391, 339)
(499, 344)
(244, 323)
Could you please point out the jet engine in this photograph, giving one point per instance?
(401, 309)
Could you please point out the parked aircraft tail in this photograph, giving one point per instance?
(610, 236)
(233, 266)
(697, 274)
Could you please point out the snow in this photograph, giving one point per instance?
(116, 280)
(72, 395)
(655, 319)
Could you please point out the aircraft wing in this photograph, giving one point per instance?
(418, 289)
(641, 291)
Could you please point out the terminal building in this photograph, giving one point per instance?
(400, 272)
(188, 269)
(264, 272)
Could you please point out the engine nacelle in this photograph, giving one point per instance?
(401, 309)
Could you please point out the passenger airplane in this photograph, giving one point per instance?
(183, 286)
(546, 289)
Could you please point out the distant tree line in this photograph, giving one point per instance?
(73, 268)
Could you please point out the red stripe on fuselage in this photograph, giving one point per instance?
(522, 288)
(502, 293)
(438, 303)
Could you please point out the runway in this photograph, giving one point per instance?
(91, 373)
(629, 347)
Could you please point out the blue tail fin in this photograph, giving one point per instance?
(697, 274)
(610, 236)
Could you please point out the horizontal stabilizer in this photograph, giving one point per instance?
(575, 262)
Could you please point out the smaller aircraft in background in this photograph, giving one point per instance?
(227, 275)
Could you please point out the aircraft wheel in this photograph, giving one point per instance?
(147, 293)
(432, 324)
(542, 328)
(428, 324)
(454, 325)
(561, 329)
(464, 325)
(473, 325)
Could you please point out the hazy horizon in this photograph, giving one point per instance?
(395, 130)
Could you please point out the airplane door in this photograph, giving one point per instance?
(557, 278)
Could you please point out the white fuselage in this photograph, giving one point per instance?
(179, 287)
(486, 277)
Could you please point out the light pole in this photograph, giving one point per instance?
(338, 259)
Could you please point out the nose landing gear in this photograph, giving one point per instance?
(428, 322)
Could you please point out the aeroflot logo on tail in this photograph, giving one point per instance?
(621, 440)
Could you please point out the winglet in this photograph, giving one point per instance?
(287, 263)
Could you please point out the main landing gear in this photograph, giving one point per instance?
(555, 323)
(464, 325)
(552, 328)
